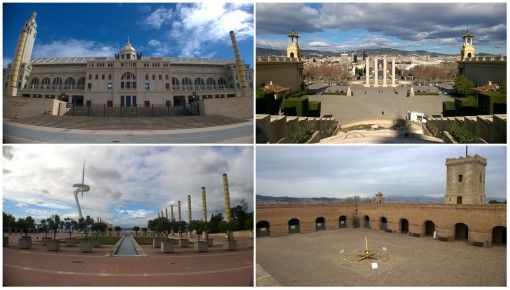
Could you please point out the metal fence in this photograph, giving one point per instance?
(98, 110)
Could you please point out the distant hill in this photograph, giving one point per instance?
(307, 53)
(264, 199)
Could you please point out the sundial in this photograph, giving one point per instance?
(367, 255)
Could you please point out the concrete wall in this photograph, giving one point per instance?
(238, 107)
(277, 127)
(29, 107)
(285, 73)
(482, 71)
(490, 128)
(480, 219)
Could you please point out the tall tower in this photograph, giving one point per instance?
(240, 67)
(22, 54)
(379, 197)
(468, 49)
(465, 180)
(293, 50)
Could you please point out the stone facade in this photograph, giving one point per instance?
(465, 180)
(283, 71)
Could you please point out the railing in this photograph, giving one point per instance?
(159, 110)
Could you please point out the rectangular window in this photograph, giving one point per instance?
(109, 104)
(109, 77)
(89, 86)
(121, 85)
(128, 56)
(160, 77)
(460, 178)
(134, 101)
(134, 85)
(166, 77)
(122, 101)
(109, 87)
(147, 87)
(102, 77)
(146, 77)
(128, 101)
(96, 77)
(153, 77)
(89, 103)
(168, 103)
(147, 103)
(90, 77)
(128, 84)
(167, 85)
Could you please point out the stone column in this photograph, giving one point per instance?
(384, 73)
(179, 211)
(376, 68)
(226, 196)
(204, 211)
(166, 212)
(393, 72)
(172, 216)
(189, 214)
(367, 72)
(158, 215)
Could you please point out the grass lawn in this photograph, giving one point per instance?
(105, 240)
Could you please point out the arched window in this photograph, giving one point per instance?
(35, 81)
(128, 76)
(186, 82)
(57, 81)
(175, 81)
(199, 82)
(81, 82)
(211, 82)
(222, 82)
(46, 81)
(69, 81)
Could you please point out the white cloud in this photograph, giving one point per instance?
(193, 27)
(154, 43)
(72, 47)
(318, 44)
(21, 204)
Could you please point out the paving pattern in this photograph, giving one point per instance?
(69, 267)
(322, 259)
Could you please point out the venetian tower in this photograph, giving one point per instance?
(19, 67)
(468, 49)
(293, 50)
(465, 180)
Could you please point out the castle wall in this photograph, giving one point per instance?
(283, 73)
(481, 72)
(480, 219)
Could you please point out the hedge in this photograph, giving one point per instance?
(295, 106)
(266, 103)
(314, 109)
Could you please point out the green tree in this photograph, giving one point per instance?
(198, 227)
(70, 225)
(213, 223)
(54, 224)
(117, 230)
(136, 229)
(26, 225)
(9, 222)
(181, 227)
(144, 230)
(228, 228)
(43, 226)
(463, 87)
(240, 214)
(84, 225)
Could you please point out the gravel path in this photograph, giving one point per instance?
(326, 259)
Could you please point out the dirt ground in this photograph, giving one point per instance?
(328, 258)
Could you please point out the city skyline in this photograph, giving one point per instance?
(128, 185)
(346, 171)
(357, 26)
(180, 30)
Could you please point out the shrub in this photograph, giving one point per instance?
(266, 103)
(295, 106)
(301, 133)
(460, 134)
(314, 109)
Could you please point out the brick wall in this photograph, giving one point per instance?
(238, 107)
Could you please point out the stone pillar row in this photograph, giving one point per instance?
(376, 72)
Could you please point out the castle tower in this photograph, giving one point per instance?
(465, 180)
(293, 50)
(467, 50)
(22, 55)
(379, 197)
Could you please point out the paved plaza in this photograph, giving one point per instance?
(69, 129)
(327, 258)
(69, 267)
(370, 105)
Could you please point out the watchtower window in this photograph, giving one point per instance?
(459, 200)
(460, 178)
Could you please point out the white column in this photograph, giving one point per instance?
(367, 72)
(376, 68)
(393, 72)
(384, 73)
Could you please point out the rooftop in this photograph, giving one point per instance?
(174, 60)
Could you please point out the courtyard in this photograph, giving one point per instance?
(69, 267)
(329, 258)
(369, 104)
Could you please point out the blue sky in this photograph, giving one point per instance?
(161, 29)
(355, 26)
(129, 185)
(345, 171)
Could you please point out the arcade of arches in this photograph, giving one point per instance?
(481, 225)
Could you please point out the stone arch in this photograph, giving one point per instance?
(404, 226)
(383, 223)
(81, 82)
(35, 81)
(263, 229)
(461, 231)
(57, 81)
(430, 228)
(199, 82)
(366, 221)
(342, 221)
(293, 226)
(128, 76)
(222, 82)
(499, 235)
(210, 82)
(69, 81)
(292, 55)
(320, 224)
(187, 81)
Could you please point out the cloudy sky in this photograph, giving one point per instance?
(347, 26)
(92, 29)
(129, 185)
(345, 171)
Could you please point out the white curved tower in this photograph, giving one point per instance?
(80, 187)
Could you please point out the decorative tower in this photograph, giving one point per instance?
(379, 197)
(22, 55)
(240, 67)
(465, 180)
(467, 50)
(128, 51)
(293, 50)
